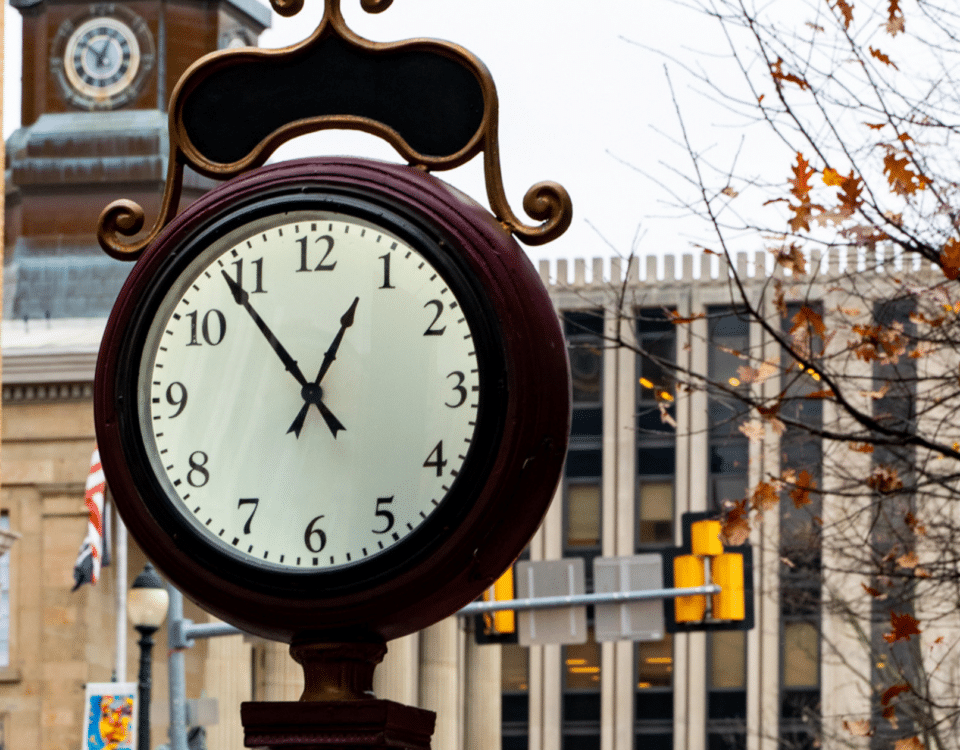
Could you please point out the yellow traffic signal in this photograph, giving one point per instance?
(688, 571)
(727, 573)
(504, 621)
(705, 538)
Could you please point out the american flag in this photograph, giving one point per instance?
(87, 567)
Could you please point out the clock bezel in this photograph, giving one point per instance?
(513, 491)
(89, 97)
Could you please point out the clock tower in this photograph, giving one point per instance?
(96, 81)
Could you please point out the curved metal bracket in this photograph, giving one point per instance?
(433, 101)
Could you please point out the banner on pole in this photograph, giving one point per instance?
(110, 721)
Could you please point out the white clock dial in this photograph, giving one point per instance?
(309, 390)
(101, 57)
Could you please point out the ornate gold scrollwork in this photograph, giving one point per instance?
(546, 202)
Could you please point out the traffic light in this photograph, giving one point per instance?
(688, 571)
(703, 559)
(498, 627)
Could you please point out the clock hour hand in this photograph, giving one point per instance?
(243, 298)
(346, 320)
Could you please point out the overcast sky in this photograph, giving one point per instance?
(580, 103)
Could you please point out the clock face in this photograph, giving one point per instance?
(101, 57)
(309, 390)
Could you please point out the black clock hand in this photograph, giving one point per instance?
(243, 298)
(346, 320)
(103, 52)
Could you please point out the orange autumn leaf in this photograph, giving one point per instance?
(884, 479)
(877, 126)
(919, 528)
(950, 259)
(800, 494)
(790, 257)
(735, 525)
(895, 21)
(850, 189)
(810, 317)
(903, 625)
(826, 393)
(910, 743)
(876, 593)
(882, 58)
(902, 179)
(831, 177)
(861, 447)
(909, 560)
(892, 692)
(846, 10)
(677, 319)
(765, 496)
(776, 70)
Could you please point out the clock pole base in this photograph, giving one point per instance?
(349, 725)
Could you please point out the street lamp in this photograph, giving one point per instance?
(146, 607)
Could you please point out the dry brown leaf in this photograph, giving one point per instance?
(735, 526)
(809, 317)
(875, 593)
(909, 743)
(860, 447)
(826, 393)
(730, 192)
(892, 692)
(790, 257)
(909, 560)
(776, 70)
(665, 417)
(883, 58)
(950, 259)
(890, 714)
(800, 494)
(903, 625)
(765, 496)
(895, 22)
(916, 524)
(846, 10)
(901, 177)
(884, 479)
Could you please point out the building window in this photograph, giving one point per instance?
(582, 516)
(656, 438)
(515, 696)
(727, 690)
(729, 342)
(581, 695)
(653, 710)
(656, 467)
(800, 542)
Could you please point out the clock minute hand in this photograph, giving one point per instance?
(346, 320)
(243, 298)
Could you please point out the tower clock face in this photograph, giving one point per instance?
(102, 57)
(309, 390)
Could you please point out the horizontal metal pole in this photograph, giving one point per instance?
(209, 630)
(614, 597)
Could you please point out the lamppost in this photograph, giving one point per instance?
(146, 607)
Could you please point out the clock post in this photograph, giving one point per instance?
(341, 511)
